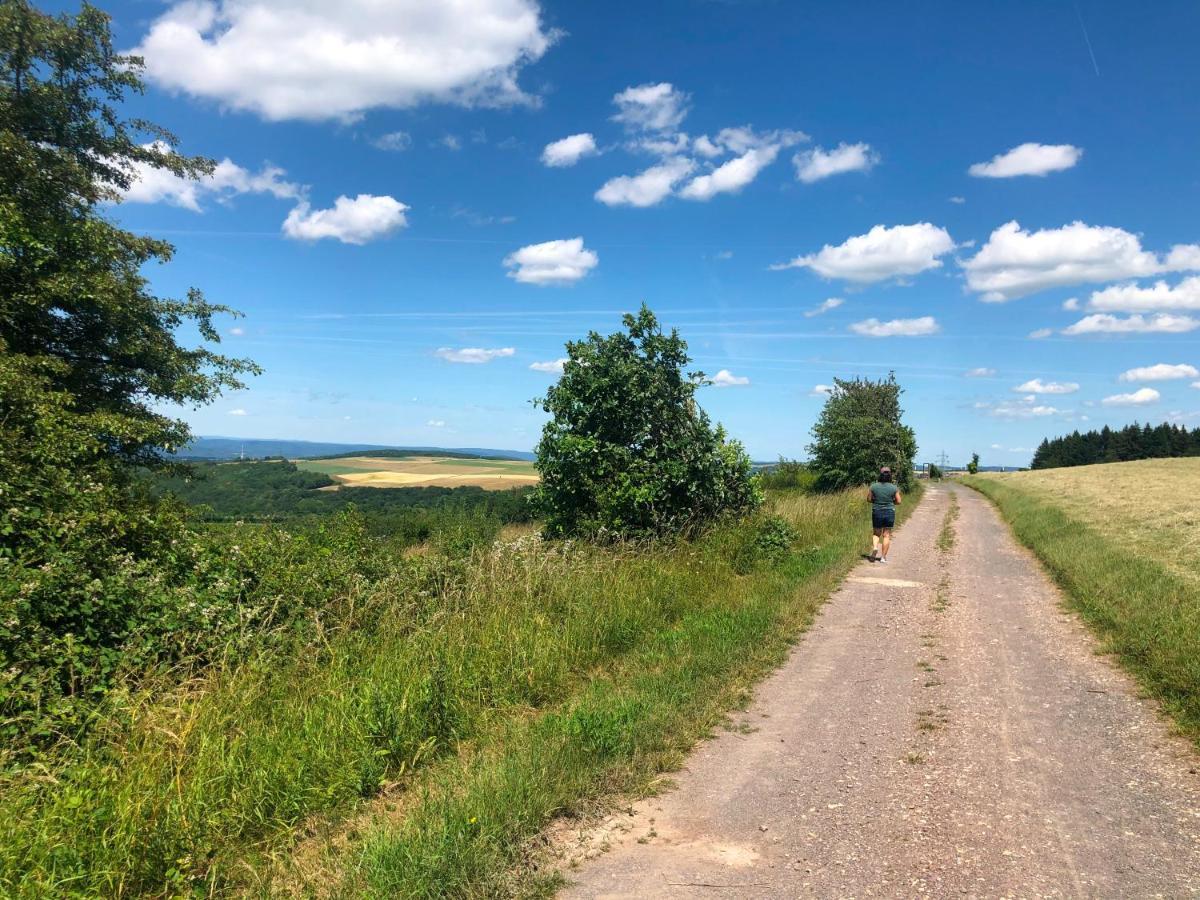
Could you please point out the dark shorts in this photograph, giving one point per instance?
(883, 518)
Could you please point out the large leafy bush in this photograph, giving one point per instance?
(627, 451)
(860, 430)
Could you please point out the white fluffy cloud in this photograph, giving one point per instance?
(1040, 333)
(358, 221)
(648, 187)
(569, 150)
(304, 59)
(436, 423)
(238, 412)
(821, 390)
(651, 107)
(228, 179)
(1160, 372)
(896, 327)
(1037, 386)
(473, 355)
(1159, 296)
(824, 306)
(818, 163)
(1140, 397)
(1015, 262)
(1071, 304)
(725, 378)
(732, 176)
(1103, 323)
(550, 367)
(394, 141)
(1028, 159)
(981, 372)
(551, 263)
(1025, 408)
(879, 254)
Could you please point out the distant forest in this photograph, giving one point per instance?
(1106, 445)
(275, 490)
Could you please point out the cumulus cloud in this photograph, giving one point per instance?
(1071, 304)
(1015, 262)
(550, 367)
(1040, 333)
(473, 355)
(238, 412)
(1159, 296)
(228, 179)
(551, 263)
(648, 187)
(824, 307)
(237, 332)
(1028, 159)
(651, 107)
(981, 372)
(879, 254)
(1103, 323)
(1140, 397)
(725, 378)
(958, 200)
(358, 221)
(569, 150)
(394, 141)
(1160, 372)
(818, 163)
(298, 59)
(436, 423)
(1037, 386)
(732, 176)
(821, 390)
(896, 327)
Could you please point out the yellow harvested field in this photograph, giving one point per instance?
(1144, 505)
(424, 471)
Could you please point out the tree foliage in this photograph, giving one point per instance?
(973, 465)
(627, 450)
(860, 430)
(1117, 445)
(90, 566)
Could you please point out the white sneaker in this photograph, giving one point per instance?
(883, 559)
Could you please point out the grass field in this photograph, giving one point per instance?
(424, 471)
(1122, 541)
(452, 708)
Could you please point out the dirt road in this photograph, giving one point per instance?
(945, 729)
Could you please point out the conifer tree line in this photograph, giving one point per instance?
(1107, 445)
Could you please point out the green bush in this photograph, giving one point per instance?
(859, 431)
(627, 452)
(787, 474)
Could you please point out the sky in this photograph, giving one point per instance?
(417, 203)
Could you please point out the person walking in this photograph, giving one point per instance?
(884, 497)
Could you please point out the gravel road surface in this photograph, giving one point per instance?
(945, 729)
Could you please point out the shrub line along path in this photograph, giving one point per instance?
(944, 729)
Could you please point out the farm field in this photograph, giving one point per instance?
(1140, 506)
(423, 471)
(1120, 539)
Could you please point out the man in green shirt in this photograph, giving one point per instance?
(884, 497)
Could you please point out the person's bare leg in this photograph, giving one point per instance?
(887, 541)
(875, 543)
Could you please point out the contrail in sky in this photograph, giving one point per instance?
(1087, 39)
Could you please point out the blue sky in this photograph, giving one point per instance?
(953, 174)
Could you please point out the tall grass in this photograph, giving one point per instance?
(1146, 615)
(484, 693)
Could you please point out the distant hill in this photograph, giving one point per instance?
(234, 448)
